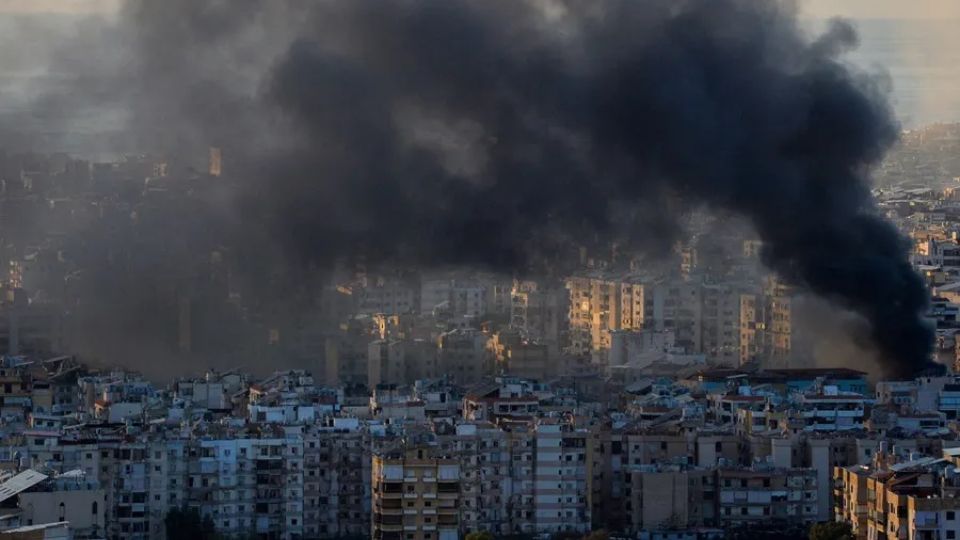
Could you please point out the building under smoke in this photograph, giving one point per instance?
(499, 133)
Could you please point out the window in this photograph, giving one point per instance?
(951, 535)
(93, 507)
(951, 515)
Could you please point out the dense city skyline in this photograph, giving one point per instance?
(479, 270)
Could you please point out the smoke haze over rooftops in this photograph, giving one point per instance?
(478, 132)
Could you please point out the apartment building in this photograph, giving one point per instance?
(540, 313)
(459, 296)
(346, 352)
(386, 296)
(416, 495)
(829, 409)
(752, 495)
(601, 303)
(400, 361)
(720, 323)
(851, 499)
(887, 500)
(463, 356)
(677, 306)
(767, 332)
(484, 454)
(753, 321)
(595, 309)
(560, 477)
(671, 498)
(336, 493)
(385, 362)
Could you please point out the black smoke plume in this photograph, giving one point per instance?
(477, 131)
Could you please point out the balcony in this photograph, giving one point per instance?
(391, 504)
(388, 520)
(388, 491)
(448, 487)
(447, 521)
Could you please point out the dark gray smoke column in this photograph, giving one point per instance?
(467, 132)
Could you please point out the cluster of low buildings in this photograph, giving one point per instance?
(109, 454)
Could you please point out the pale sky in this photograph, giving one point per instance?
(880, 9)
(58, 6)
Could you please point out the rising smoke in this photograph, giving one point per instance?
(473, 132)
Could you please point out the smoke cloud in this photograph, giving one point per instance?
(464, 132)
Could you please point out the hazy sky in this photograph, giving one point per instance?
(57, 6)
(892, 9)
(883, 9)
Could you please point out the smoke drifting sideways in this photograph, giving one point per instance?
(464, 132)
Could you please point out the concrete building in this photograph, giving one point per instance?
(761, 494)
(69, 497)
(384, 296)
(560, 478)
(346, 352)
(415, 495)
(914, 499)
(721, 323)
(456, 296)
(595, 309)
(337, 478)
(540, 313)
(672, 498)
(400, 361)
(766, 325)
(463, 356)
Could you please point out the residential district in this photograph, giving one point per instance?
(676, 399)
